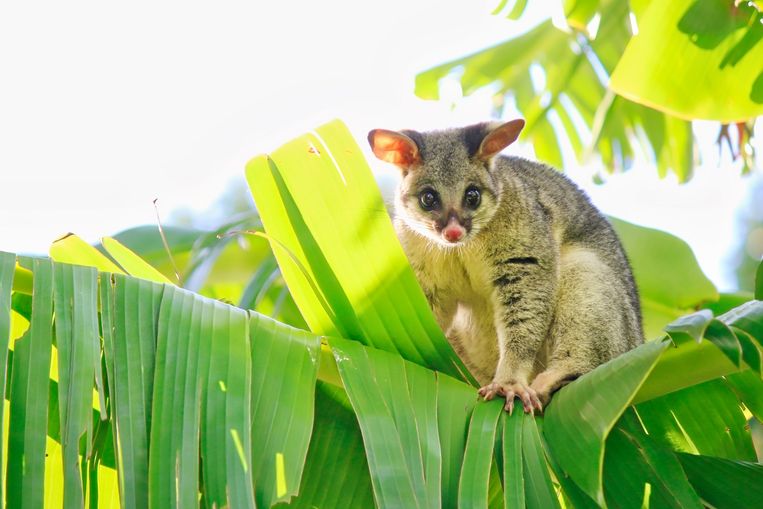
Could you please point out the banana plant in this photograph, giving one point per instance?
(607, 80)
(161, 397)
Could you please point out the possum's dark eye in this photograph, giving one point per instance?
(472, 197)
(428, 199)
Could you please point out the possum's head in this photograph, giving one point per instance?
(448, 191)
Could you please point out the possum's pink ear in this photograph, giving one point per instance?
(394, 147)
(500, 138)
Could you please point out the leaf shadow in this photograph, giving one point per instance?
(338, 303)
(709, 24)
(756, 92)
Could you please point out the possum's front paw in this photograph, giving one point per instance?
(510, 390)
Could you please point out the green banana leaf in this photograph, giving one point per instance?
(7, 266)
(626, 75)
(337, 250)
(692, 296)
(29, 397)
(695, 60)
(216, 374)
(712, 478)
(572, 101)
(209, 404)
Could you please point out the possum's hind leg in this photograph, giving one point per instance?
(550, 381)
(588, 327)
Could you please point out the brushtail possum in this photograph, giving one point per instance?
(525, 276)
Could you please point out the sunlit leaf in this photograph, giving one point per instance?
(500, 7)
(146, 242)
(517, 9)
(580, 12)
(226, 415)
(576, 65)
(215, 263)
(72, 249)
(132, 263)
(504, 62)
(22, 282)
(7, 268)
(29, 397)
(76, 320)
(696, 60)
(338, 252)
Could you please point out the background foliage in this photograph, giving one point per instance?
(622, 76)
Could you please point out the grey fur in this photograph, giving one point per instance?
(539, 291)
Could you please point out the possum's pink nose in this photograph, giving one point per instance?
(453, 232)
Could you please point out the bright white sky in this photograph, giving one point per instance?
(104, 107)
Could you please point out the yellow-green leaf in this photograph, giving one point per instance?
(131, 262)
(695, 60)
(72, 249)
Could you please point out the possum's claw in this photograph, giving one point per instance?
(528, 396)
